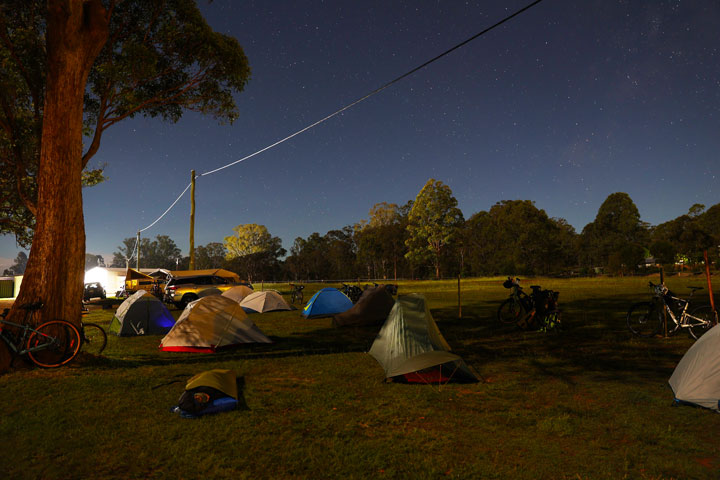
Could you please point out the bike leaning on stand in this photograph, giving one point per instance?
(537, 310)
(646, 319)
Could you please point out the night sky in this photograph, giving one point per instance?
(563, 105)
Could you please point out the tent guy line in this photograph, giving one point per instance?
(346, 107)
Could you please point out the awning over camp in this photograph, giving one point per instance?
(219, 272)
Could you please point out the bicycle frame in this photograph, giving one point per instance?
(16, 346)
(683, 318)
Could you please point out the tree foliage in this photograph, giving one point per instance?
(66, 62)
(515, 237)
(252, 249)
(616, 226)
(433, 223)
(211, 255)
(18, 267)
(159, 253)
(381, 240)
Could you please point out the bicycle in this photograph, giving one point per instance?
(353, 292)
(49, 345)
(527, 311)
(93, 336)
(645, 319)
(391, 288)
(297, 293)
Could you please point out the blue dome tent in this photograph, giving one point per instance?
(326, 302)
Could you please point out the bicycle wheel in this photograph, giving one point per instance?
(509, 312)
(53, 343)
(644, 320)
(700, 320)
(94, 338)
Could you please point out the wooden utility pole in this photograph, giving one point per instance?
(192, 220)
(137, 253)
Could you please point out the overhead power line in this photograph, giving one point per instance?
(350, 105)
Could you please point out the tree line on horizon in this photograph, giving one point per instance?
(428, 237)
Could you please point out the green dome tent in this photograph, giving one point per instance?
(411, 348)
(141, 314)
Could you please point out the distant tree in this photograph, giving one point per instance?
(515, 237)
(126, 251)
(616, 226)
(663, 251)
(18, 268)
(433, 224)
(308, 258)
(252, 248)
(159, 253)
(211, 255)
(92, 260)
(341, 253)
(381, 239)
(691, 234)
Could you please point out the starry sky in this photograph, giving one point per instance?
(563, 105)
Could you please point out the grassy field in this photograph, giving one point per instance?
(588, 403)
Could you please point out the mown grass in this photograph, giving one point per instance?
(590, 402)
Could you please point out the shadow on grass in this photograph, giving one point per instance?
(594, 340)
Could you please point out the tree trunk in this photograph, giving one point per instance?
(76, 32)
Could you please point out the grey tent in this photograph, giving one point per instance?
(141, 314)
(372, 308)
(410, 346)
(267, 301)
(696, 378)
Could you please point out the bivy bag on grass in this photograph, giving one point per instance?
(261, 302)
(696, 379)
(327, 302)
(141, 314)
(372, 308)
(209, 324)
(410, 347)
(209, 392)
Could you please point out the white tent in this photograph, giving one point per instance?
(267, 301)
(696, 378)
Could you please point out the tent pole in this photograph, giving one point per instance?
(710, 291)
(192, 220)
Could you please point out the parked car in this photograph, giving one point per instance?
(93, 290)
(182, 290)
